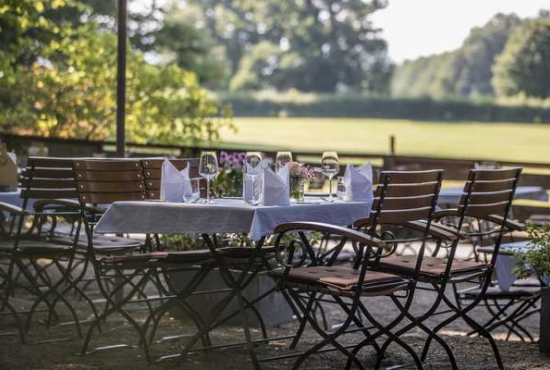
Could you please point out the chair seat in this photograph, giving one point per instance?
(102, 244)
(494, 292)
(342, 278)
(34, 249)
(160, 259)
(431, 266)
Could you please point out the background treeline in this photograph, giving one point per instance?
(505, 57)
(294, 104)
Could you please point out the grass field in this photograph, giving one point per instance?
(499, 141)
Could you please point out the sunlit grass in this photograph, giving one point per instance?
(477, 140)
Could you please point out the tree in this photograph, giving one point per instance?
(183, 40)
(464, 72)
(524, 65)
(324, 45)
(60, 81)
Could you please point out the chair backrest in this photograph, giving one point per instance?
(107, 181)
(403, 196)
(48, 178)
(152, 172)
(488, 192)
(406, 196)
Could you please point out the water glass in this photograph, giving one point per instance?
(208, 168)
(282, 159)
(252, 188)
(340, 189)
(195, 191)
(330, 167)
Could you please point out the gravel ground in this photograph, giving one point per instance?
(471, 353)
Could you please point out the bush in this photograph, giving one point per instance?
(359, 106)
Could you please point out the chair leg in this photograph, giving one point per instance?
(463, 313)
(328, 338)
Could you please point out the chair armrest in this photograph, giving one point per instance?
(10, 208)
(351, 234)
(510, 224)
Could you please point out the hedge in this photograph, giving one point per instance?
(367, 107)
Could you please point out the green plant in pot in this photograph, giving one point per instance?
(535, 260)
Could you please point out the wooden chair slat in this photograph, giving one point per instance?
(484, 210)
(398, 216)
(408, 190)
(50, 162)
(496, 174)
(489, 198)
(405, 202)
(107, 165)
(410, 177)
(102, 198)
(53, 173)
(111, 187)
(108, 176)
(42, 183)
(49, 193)
(489, 186)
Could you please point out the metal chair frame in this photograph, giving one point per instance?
(388, 208)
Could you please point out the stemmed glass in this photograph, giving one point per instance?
(208, 168)
(330, 167)
(253, 159)
(282, 159)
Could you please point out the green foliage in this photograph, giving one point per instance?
(183, 41)
(60, 81)
(524, 65)
(536, 260)
(465, 72)
(323, 45)
(295, 104)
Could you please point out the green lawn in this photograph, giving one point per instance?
(500, 141)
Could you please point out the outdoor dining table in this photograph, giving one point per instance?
(450, 197)
(224, 216)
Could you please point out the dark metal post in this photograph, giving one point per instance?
(121, 79)
(392, 145)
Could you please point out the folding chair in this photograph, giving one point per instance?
(104, 182)
(487, 195)
(400, 197)
(48, 183)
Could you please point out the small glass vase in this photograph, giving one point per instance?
(297, 190)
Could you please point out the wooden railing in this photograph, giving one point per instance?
(455, 169)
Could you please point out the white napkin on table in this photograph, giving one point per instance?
(252, 181)
(276, 187)
(174, 184)
(358, 182)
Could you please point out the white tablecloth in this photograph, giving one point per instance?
(225, 216)
(506, 262)
(12, 197)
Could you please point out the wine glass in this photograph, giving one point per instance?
(208, 168)
(330, 167)
(253, 160)
(282, 159)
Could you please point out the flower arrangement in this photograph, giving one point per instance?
(300, 171)
(232, 160)
(229, 182)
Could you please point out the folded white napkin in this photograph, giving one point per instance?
(358, 182)
(276, 187)
(174, 184)
(252, 183)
